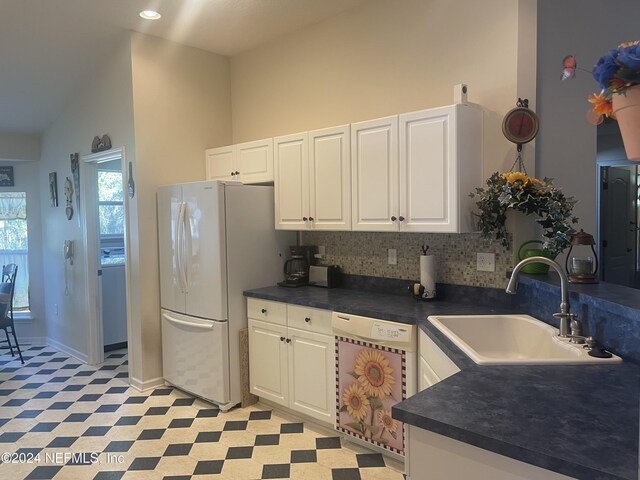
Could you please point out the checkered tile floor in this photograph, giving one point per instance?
(61, 419)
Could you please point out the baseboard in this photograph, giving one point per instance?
(32, 341)
(147, 384)
(83, 357)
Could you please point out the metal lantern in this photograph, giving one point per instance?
(582, 261)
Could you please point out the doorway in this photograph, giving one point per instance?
(107, 254)
(618, 210)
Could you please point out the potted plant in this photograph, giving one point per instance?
(618, 73)
(517, 191)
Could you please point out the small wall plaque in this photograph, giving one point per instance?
(6, 177)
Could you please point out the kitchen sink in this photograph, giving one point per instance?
(511, 339)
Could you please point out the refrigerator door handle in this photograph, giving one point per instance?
(177, 245)
(187, 324)
(186, 262)
(180, 237)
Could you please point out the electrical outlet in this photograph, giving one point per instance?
(393, 256)
(486, 262)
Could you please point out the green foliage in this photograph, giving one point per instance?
(517, 191)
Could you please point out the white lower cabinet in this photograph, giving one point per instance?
(431, 456)
(268, 361)
(292, 357)
(433, 364)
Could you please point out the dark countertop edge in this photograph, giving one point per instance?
(621, 302)
(407, 319)
(541, 460)
(450, 349)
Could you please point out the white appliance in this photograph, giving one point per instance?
(376, 367)
(215, 240)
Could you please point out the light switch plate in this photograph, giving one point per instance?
(486, 262)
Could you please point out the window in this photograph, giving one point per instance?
(14, 241)
(110, 205)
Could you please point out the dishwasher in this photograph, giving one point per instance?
(376, 365)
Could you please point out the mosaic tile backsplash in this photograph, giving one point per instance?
(365, 253)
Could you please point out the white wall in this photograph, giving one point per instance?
(182, 106)
(385, 58)
(19, 146)
(566, 147)
(26, 179)
(103, 106)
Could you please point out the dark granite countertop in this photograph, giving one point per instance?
(397, 308)
(581, 421)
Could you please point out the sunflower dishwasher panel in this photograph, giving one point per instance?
(375, 369)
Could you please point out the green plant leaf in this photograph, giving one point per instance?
(375, 403)
(343, 408)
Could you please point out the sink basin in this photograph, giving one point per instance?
(511, 339)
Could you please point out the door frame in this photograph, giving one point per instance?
(91, 242)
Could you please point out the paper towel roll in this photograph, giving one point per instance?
(428, 275)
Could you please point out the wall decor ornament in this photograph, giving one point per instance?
(6, 177)
(68, 192)
(75, 170)
(53, 189)
(100, 144)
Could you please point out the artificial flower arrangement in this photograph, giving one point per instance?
(616, 72)
(517, 191)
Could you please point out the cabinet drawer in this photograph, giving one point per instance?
(266, 310)
(441, 365)
(309, 319)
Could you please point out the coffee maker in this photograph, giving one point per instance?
(296, 268)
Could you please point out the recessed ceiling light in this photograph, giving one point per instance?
(150, 15)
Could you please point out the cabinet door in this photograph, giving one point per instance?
(426, 376)
(254, 161)
(268, 375)
(291, 182)
(428, 173)
(374, 175)
(312, 374)
(220, 164)
(330, 178)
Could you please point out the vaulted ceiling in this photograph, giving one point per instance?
(49, 48)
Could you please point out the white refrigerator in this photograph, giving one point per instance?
(215, 240)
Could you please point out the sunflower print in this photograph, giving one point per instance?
(375, 376)
(386, 421)
(356, 401)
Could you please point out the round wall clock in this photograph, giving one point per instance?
(521, 124)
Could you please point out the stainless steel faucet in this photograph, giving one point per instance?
(569, 325)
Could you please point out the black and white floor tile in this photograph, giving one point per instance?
(64, 420)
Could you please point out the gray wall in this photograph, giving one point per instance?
(566, 144)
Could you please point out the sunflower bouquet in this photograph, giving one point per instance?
(517, 191)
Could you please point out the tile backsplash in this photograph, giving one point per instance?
(365, 253)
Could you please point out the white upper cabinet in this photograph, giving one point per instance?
(330, 179)
(291, 181)
(250, 162)
(312, 180)
(414, 172)
(219, 163)
(374, 174)
(254, 161)
(440, 164)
